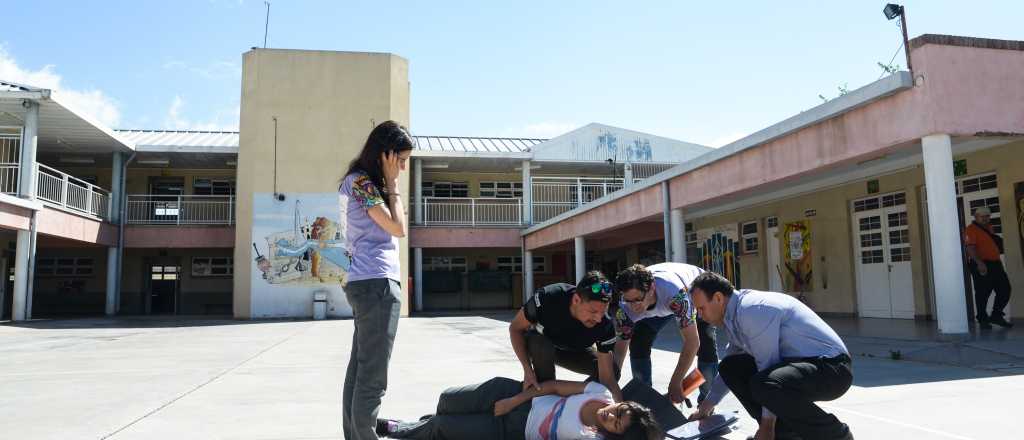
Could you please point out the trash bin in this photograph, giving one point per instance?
(319, 305)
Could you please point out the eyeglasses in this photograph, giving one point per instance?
(643, 296)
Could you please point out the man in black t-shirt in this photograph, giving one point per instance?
(561, 324)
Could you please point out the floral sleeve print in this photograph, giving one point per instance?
(365, 192)
(683, 309)
(623, 325)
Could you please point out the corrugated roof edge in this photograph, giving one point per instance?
(882, 88)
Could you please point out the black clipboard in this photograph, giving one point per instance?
(671, 420)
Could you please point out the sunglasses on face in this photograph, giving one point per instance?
(602, 291)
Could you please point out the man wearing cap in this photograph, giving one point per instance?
(987, 271)
(561, 324)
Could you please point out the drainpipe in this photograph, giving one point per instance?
(666, 221)
(120, 229)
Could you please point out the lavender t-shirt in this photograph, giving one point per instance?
(374, 252)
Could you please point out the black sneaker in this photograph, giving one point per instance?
(1000, 321)
(984, 325)
(425, 417)
(383, 427)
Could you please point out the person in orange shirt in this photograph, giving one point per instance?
(984, 248)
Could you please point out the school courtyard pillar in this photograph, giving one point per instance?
(116, 193)
(417, 277)
(25, 252)
(527, 274)
(944, 230)
(527, 209)
(417, 171)
(581, 258)
(678, 236)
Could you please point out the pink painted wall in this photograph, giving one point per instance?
(179, 237)
(69, 226)
(962, 91)
(14, 217)
(464, 237)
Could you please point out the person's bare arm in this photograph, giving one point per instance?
(391, 220)
(517, 336)
(621, 349)
(691, 343)
(559, 387)
(606, 374)
(972, 251)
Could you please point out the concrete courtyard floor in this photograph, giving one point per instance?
(153, 379)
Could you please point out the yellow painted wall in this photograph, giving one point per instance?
(325, 103)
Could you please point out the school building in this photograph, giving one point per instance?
(855, 205)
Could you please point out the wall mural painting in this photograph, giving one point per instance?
(717, 251)
(637, 151)
(797, 263)
(299, 249)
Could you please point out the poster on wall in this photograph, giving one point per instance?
(797, 264)
(1018, 197)
(299, 249)
(717, 250)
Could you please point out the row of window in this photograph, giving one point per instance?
(504, 263)
(501, 190)
(84, 267)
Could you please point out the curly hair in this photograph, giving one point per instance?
(634, 277)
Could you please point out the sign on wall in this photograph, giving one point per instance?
(797, 262)
(299, 247)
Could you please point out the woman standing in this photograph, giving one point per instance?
(375, 219)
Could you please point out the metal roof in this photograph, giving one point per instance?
(15, 87)
(182, 140)
(61, 127)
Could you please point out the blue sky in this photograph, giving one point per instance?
(705, 72)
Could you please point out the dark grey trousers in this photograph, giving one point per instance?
(375, 309)
(467, 413)
(544, 356)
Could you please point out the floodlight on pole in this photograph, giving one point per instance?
(892, 11)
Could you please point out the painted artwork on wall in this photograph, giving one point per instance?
(299, 249)
(718, 251)
(797, 267)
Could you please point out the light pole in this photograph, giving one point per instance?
(892, 11)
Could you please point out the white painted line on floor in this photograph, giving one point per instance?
(894, 422)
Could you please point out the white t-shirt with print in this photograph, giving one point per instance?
(570, 425)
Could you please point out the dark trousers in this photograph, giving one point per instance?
(995, 280)
(644, 334)
(789, 390)
(467, 413)
(544, 356)
(375, 309)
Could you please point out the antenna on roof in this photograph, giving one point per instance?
(266, 24)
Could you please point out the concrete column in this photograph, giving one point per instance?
(581, 258)
(116, 190)
(417, 165)
(417, 277)
(627, 175)
(944, 231)
(25, 250)
(678, 231)
(111, 302)
(29, 142)
(527, 195)
(667, 230)
(527, 274)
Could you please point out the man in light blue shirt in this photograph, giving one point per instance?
(781, 358)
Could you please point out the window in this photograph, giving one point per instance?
(449, 264)
(445, 189)
(749, 232)
(979, 183)
(164, 273)
(212, 266)
(515, 264)
(501, 190)
(691, 242)
(213, 187)
(772, 222)
(64, 267)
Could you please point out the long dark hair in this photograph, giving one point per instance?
(642, 426)
(386, 137)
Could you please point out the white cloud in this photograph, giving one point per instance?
(545, 130)
(722, 141)
(214, 70)
(92, 102)
(222, 120)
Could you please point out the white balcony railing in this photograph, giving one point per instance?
(10, 156)
(555, 195)
(151, 209)
(73, 194)
(458, 211)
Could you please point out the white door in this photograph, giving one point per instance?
(772, 243)
(978, 191)
(885, 285)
